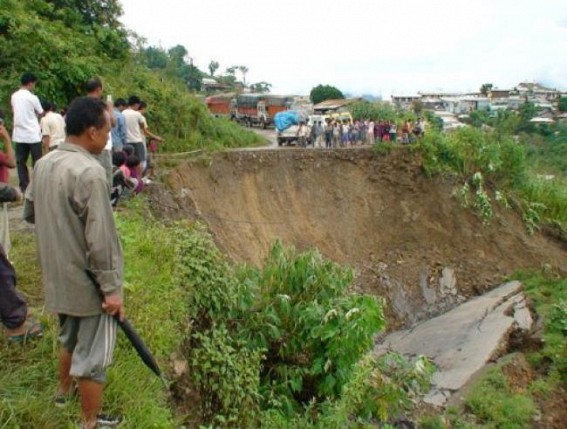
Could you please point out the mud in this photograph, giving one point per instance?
(408, 237)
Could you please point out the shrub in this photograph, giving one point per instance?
(292, 331)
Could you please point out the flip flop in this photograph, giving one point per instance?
(33, 330)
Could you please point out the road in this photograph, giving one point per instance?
(268, 133)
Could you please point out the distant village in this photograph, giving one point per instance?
(451, 107)
(454, 109)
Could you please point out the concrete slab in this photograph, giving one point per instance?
(461, 341)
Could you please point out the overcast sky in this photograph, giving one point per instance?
(366, 46)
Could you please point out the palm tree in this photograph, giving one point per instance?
(213, 66)
(243, 70)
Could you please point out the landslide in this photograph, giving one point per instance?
(409, 239)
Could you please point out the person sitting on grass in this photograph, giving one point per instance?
(134, 167)
(122, 184)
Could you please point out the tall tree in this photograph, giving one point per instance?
(261, 87)
(325, 92)
(213, 67)
(243, 70)
(486, 88)
(91, 12)
(155, 58)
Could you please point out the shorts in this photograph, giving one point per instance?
(139, 150)
(91, 341)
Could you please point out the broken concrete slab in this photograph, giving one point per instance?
(461, 341)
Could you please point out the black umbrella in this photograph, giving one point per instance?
(132, 336)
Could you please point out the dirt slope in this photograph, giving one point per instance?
(410, 240)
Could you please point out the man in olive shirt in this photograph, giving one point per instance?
(68, 201)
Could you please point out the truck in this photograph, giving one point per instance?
(221, 105)
(260, 109)
(288, 125)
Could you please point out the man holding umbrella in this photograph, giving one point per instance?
(77, 238)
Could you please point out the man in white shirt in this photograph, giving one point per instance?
(52, 128)
(94, 90)
(135, 127)
(26, 133)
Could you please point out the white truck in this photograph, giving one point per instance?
(292, 128)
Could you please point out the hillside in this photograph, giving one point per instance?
(409, 238)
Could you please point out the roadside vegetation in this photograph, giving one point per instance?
(282, 347)
(89, 35)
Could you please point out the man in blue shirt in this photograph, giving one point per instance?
(118, 131)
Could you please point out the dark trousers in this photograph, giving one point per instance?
(13, 308)
(23, 151)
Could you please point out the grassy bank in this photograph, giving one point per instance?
(154, 305)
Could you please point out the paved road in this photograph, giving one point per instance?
(268, 133)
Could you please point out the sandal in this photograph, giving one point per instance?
(32, 329)
(60, 400)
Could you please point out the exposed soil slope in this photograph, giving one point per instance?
(410, 240)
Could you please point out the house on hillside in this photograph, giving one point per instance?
(404, 102)
(465, 104)
(533, 91)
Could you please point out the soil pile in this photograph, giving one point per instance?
(408, 237)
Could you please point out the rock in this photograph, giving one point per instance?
(461, 341)
(448, 282)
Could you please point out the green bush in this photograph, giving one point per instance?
(294, 326)
(494, 167)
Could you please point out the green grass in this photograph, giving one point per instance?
(154, 305)
(493, 403)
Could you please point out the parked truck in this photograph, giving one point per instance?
(260, 109)
(222, 105)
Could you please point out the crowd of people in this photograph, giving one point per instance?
(84, 161)
(336, 133)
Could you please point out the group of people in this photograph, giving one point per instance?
(79, 159)
(336, 133)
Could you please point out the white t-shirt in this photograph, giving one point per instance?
(133, 120)
(26, 107)
(53, 125)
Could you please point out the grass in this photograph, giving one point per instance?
(154, 305)
(494, 404)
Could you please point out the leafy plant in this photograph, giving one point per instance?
(293, 325)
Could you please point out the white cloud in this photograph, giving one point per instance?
(376, 46)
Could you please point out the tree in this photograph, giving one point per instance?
(213, 67)
(486, 88)
(95, 18)
(92, 12)
(231, 70)
(261, 87)
(325, 92)
(155, 58)
(243, 70)
(562, 105)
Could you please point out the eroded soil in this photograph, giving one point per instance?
(408, 237)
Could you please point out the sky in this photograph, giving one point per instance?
(378, 47)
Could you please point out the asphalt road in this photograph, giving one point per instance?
(269, 134)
